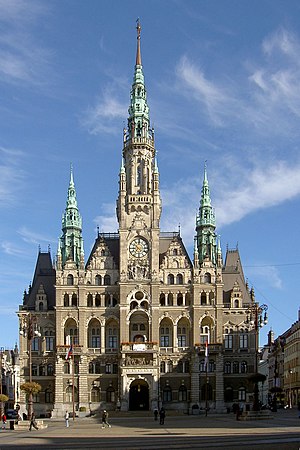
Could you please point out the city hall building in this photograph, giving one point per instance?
(136, 314)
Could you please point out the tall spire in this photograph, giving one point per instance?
(206, 224)
(71, 243)
(138, 120)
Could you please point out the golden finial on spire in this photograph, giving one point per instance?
(138, 51)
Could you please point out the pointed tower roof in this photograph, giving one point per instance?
(138, 120)
(71, 245)
(206, 225)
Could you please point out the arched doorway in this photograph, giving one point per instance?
(139, 396)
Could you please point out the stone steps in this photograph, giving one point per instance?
(24, 425)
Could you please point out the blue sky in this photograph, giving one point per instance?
(223, 83)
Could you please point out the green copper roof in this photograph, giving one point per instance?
(138, 120)
(71, 243)
(205, 225)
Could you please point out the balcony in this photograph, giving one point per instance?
(139, 346)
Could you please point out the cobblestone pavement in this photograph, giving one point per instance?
(134, 432)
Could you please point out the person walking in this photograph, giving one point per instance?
(4, 422)
(67, 415)
(162, 415)
(104, 419)
(33, 422)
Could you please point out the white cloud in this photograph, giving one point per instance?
(31, 237)
(268, 273)
(23, 59)
(11, 176)
(107, 221)
(205, 91)
(11, 249)
(262, 188)
(233, 197)
(101, 117)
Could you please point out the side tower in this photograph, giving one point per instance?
(69, 316)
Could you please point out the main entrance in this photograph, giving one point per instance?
(139, 396)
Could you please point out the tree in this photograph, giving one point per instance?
(30, 388)
(3, 399)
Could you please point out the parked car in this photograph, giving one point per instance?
(12, 414)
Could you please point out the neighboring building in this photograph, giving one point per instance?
(139, 312)
(291, 375)
(10, 376)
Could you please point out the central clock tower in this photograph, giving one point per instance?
(139, 203)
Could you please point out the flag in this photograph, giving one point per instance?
(206, 356)
(69, 352)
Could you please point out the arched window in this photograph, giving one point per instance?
(244, 367)
(42, 370)
(167, 394)
(179, 279)
(182, 394)
(66, 368)
(235, 367)
(236, 303)
(169, 366)
(98, 280)
(170, 278)
(94, 337)
(107, 281)
(165, 337)
(70, 280)
(74, 299)
(66, 300)
(110, 395)
(162, 300)
(89, 300)
(50, 369)
(41, 306)
(179, 299)
(242, 394)
(207, 278)
(175, 252)
(95, 395)
(34, 370)
(227, 367)
(203, 299)
(202, 366)
(48, 396)
(211, 365)
(163, 367)
(97, 300)
(170, 299)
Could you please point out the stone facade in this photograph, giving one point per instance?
(139, 312)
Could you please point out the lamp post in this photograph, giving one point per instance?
(257, 318)
(29, 329)
(290, 390)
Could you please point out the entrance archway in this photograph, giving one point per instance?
(139, 396)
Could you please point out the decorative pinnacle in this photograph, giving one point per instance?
(138, 50)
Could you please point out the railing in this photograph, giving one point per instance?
(138, 346)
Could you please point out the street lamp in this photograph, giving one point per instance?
(290, 391)
(29, 329)
(257, 318)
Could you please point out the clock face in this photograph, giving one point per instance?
(138, 248)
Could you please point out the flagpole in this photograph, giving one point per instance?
(73, 384)
(206, 378)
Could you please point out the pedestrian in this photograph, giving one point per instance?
(155, 414)
(162, 415)
(3, 422)
(67, 419)
(104, 419)
(33, 422)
